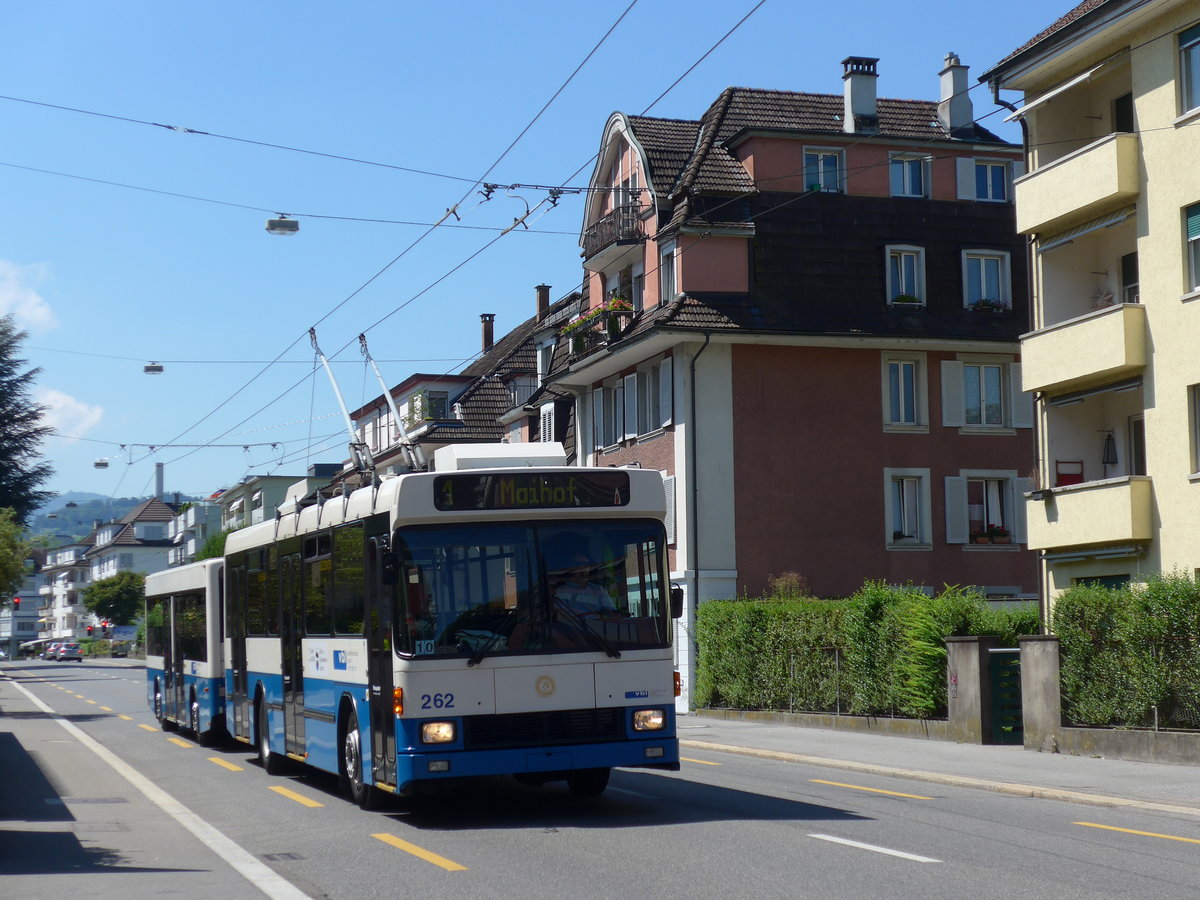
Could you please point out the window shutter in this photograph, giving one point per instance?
(952, 394)
(1021, 402)
(631, 407)
(1019, 506)
(1193, 222)
(669, 488)
(956, 510)
(598, 418)
(547, 434)
(965, 167)
(666, 392)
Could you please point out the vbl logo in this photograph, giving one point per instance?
(339, 659)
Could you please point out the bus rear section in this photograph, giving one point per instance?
(185, 671)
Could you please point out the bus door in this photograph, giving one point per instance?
(379, 664)
(176, 690)
(243, 723)
(291, 645)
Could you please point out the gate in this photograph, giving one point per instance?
(1004, 679)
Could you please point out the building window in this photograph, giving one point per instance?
(908, 176)
(637, 287)
(822, 170)
(905, 393)
(1189, 67)
(986, 280)
(1192, 223)
(906, 275)
(985, 507)
(1137, 445)
(906, 505)
(652, 386)
(1194, 424)
(1129, 278)
(1122, 114)
(666, 275)
(991, 181)
(983, 392)
(608, 415)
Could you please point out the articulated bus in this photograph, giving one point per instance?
(185, 673)
(490, 617)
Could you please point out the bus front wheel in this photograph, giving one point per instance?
(365, 795)
(588, 782)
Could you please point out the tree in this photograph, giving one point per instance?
(13, 550)
(119, 599)
(22, 430)
(214, 547)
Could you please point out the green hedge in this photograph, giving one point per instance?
(1127, 651)
(881, 652)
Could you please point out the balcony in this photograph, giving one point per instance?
(1093, 349)
(611, 235)
(1103, 175)
(1111, 511)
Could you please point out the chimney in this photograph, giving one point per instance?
(158, 481)
(487, 319)
(954, 108)
(860, 113)
(543, 301)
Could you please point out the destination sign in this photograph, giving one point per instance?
(530, 490)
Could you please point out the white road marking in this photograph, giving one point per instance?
(873, 848)
(253, 870)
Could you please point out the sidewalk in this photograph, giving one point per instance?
(1011, 770)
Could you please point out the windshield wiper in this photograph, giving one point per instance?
(477, 657)
(595, 638)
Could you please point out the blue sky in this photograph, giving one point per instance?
(107, 278)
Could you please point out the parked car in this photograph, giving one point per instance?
(51, 651)
(70, 651)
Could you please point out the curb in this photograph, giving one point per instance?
(963, 781)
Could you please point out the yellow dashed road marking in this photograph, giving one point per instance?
(180, 742)
(855, 787)
(225, 765)
(299, 798)
(448, 864)
(1165, 837)
(148, 727)
(702, 762)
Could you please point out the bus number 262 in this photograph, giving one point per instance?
(437, 701)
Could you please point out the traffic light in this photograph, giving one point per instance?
(104, 625)
(89, 631)
(16, 604)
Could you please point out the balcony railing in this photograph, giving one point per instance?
(1093, 349)
(1111, 511)
(621, 226)
(1102, 175)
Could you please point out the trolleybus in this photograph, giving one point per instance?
(185, 672)
(494, 616)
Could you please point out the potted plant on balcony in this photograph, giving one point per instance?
(980, 537)
(617, 309)
(908, 300)
(998, 534)
(988, 306)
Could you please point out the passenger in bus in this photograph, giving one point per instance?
(578, 592)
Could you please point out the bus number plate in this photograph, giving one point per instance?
(437, 701)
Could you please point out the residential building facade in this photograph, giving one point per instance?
(804, 310)
(1111, 205)
(137, 542)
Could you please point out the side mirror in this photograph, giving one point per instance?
(676, 601)
(389, 568)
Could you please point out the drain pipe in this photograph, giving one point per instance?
(694, 535)
(1039, 454)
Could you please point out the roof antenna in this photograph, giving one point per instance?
(400, 436)
(359, 452)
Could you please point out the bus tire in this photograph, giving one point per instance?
(351, 770)
(271, 762)
(588, 782)
(203, 738)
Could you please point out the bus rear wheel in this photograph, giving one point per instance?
(588, 782)
(271, 762)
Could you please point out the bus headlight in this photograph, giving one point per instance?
(649, 720)
(437, 732)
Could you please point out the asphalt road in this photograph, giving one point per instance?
(728, 825)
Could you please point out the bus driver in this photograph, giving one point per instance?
(577, 592)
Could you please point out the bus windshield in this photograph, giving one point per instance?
(470, 590)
